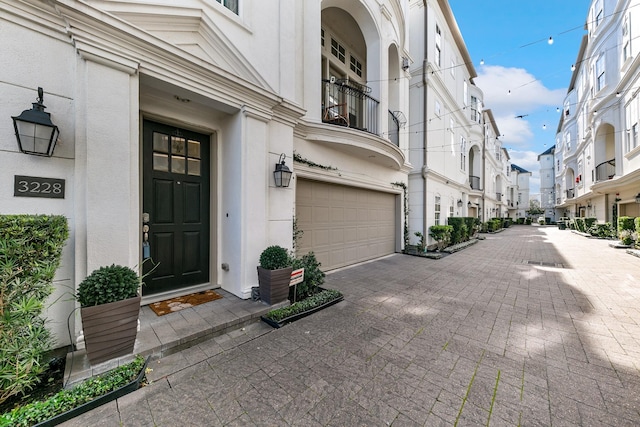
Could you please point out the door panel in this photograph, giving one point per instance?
(176, 196)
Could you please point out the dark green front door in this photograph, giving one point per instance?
(176, 207)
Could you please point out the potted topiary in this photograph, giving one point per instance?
(110, 305)
(274, 274)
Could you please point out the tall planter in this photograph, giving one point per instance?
(110, 329)
(274, 284)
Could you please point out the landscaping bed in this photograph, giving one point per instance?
(69, 403)
(281, 316)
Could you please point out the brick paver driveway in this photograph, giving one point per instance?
(532, 326)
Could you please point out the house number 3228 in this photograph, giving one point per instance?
(33, 186)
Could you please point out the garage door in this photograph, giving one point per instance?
(344, 225)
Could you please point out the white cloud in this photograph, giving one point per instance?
(527, 92)
(528, 96)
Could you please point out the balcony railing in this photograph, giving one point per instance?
(499, 197)
(606, 170)
(474, 181)
(394, 129)
(347, 103)
(570, 193)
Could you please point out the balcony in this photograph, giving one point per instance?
(499, 197)
(570, 193)
(606, 170)
(474, 182)
(347, 103)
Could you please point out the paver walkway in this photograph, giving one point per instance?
(532, 326)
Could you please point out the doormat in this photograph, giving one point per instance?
(176, 304)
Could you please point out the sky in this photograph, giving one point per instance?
(511, 37)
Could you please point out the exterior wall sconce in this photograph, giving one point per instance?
(469, 204)
(638, 198)
(459, 203)
(35, 132)
(282, 174)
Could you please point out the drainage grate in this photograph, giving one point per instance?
(545, 264)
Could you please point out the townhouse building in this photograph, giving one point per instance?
(549, 195)
(597, 152)
(460, 167)
(174, 116)
(518, 201)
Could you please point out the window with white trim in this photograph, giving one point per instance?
(438, 108)
(626, 42)
(600, 67)
(355, 66)
(338, 50)
(232, 5)
(438, 58)
(451, 212)
(436, 211)
(598, 13)
(452, 70)
(463, 153)
(632, 124)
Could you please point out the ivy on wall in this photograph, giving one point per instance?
(298, 158)
(406, 210)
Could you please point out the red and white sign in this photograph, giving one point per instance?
(297, 276)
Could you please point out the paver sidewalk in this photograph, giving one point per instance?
(532, 326)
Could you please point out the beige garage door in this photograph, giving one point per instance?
(344, 225)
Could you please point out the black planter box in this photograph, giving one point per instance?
(98, 401)
(295, 317)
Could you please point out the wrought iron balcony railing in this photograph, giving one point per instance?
(347, 103)
(474, 182)
(606, 170)
(570, 193)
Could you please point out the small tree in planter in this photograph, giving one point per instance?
(110, 305)
(274, 274)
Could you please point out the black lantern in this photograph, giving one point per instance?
(34, 131)
(459, 203)
(469, 204)
(638, 198)
(282, 174)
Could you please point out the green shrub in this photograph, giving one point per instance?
(460, 232)
(108, 284)
(274, 258)
(520, 221)
(422, 244)
(637, 224)
(30, 253)
(626, 223)
(602, 231)
(527, 221)
(580, 225)
(441, 234)
(470, 222)
(313, 276)
(306, 304)
(68, 399)
(588, 222)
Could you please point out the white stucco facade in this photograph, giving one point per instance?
(597, 144)
(250, 81)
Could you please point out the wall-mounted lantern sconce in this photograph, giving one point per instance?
(589, 204)
(638, 198)
(459, 203)
(469, 204)
(282, 174)
(34, 131)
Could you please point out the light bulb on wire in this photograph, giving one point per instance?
(550, 41)
(482, 62)
(573, 67)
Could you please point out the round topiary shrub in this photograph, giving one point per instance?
(274, 258)
(108, 284)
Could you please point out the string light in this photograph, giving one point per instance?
(482, 62)
(550, 41)
(573, 67)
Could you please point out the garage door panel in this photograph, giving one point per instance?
(344, 225)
